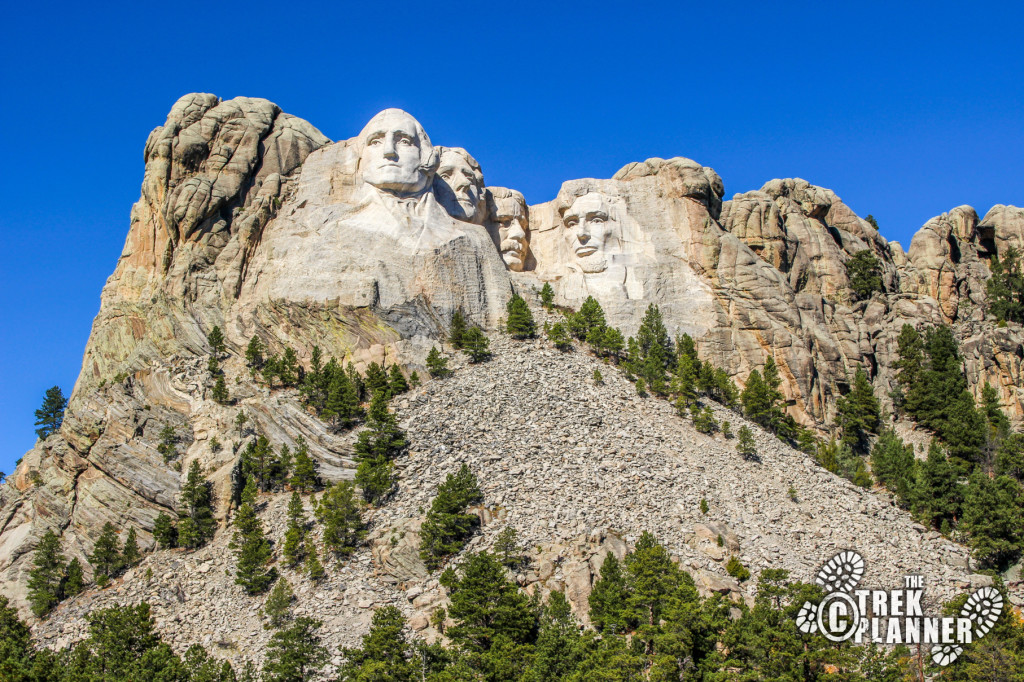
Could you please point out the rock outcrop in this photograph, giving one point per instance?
(251, 220)
(579, 471)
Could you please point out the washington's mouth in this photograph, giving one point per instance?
(585, 250)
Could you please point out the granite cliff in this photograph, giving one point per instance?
(251, 220)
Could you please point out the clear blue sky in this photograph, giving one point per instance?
(905, 112)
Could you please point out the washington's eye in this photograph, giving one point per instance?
(406, 141)
(597, 220)
(376, 141)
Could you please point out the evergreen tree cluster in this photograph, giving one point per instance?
(195, 524)
(970, 483)
(865, 273)
(376, 448)
(123, 644)
(650, 623)
(1005, 288)
(448, 526)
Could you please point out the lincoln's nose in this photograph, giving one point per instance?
(582, 233)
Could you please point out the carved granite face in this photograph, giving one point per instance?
(396, 156)
(589, 231)
(459, 185)
(509, 220)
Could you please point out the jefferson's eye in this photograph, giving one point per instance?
(446, 175)
(597, 220)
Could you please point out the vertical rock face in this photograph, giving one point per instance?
(251, 220)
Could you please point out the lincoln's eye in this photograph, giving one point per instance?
(572, 222)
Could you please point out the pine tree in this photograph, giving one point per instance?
(50, 416)
(220, 391)
(196, 508)
(295, 653)
(74, 579)
(338, 513)
(396, 382)
(894, 465)
(704, 420)
(437, 364)
(865, 273)
(295, 537)
(475, 345)
(240, 420)
(1006, 287)
(106, 555)
(376, 449)
(385, 654)
(254, 353)
(288, 370)
(457, 330)
(46, 575)
(506, 548)
(258, 462)
(858, 413)
(608, 597)
(937, 495)
(519, 323)
(314, 569)
(994, 519)
(277, 609)
(558, 335)
(216, 340)
(547, 295)
(1010, 457)
(17, 652)
(745, 444)
(252, 552)
(377, 380)
(168, 443)
(342, 402)
(485, 605)
(447, 526)
(597, 378)
(909, 366)
(131, 555)
(560, 646)
(590, 316)
(304, 472)
(164, 532)
(414, 379)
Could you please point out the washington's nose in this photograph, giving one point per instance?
(389, 148)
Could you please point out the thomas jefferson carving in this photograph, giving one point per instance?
(459, 185)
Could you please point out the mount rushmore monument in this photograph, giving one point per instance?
(253, 221)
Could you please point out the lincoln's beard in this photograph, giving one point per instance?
(594, 262)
